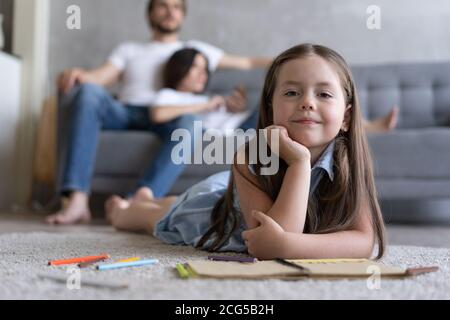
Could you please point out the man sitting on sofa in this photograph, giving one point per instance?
(92, 108)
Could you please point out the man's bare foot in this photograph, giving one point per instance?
(112, 204)
(75, 210)
(384, 124)
(143, 194)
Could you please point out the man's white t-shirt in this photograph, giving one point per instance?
(219, 119)
(142, 65)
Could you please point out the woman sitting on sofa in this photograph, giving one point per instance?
(185, 78)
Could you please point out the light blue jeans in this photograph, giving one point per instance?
(89, 109)
(92, 109)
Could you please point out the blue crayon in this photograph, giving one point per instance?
(127, 264)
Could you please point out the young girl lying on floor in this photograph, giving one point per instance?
(322, 202)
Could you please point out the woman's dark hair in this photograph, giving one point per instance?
(178, 66)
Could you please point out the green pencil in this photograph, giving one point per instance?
(182, 271)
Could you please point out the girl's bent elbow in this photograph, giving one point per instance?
(367, 252)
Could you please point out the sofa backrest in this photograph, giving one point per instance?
(421, 90)
(224, 81)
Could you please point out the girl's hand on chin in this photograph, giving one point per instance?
(289, 150)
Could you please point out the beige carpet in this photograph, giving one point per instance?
(23, 256)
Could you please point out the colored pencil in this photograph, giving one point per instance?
(233, 258)
(84, 265)
(77, 260)
(126, 264)
(182, 271)
(129, 260)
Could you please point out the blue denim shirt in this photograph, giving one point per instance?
(323, 166)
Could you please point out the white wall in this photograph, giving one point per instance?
(412, 30)
(30, 42)
(9, 116)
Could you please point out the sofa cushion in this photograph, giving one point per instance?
(413, 188)
(413, 154)
(423, 153)
(125, 153)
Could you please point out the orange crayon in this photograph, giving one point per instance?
(78, 260)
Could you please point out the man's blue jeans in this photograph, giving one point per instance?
(92, 109)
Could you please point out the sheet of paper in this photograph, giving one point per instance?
(260, 269)
(332, 268)
(348, 268)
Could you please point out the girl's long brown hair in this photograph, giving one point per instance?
(336, 204)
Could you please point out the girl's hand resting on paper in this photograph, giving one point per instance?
(289, 150)
(265, 242)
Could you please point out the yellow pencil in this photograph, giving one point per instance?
(129, 260)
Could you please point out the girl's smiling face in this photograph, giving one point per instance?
(309, 101)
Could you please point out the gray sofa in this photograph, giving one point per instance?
(412, 163)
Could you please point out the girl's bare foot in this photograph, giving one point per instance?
(137, 216)
(112, 204)
(75, 210)
(144, 194)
